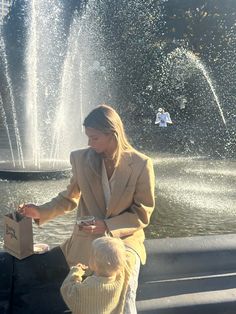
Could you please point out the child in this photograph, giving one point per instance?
(104, 292)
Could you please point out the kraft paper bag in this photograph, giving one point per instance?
(18, 235)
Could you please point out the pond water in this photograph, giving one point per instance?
(194, 196)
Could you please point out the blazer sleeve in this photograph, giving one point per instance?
(65, 201)
(137, 216)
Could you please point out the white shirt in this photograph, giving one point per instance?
(107, 185)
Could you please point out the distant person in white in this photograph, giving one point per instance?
(162, 118)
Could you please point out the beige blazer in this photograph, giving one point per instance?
(129, 209)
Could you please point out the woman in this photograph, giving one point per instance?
(110, 181)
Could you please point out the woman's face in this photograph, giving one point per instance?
(99, 141)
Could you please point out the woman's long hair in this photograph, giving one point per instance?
(105, 119)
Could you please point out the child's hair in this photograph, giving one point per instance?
(108, 255)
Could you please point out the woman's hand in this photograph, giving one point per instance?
(29, 210)
(99, 227)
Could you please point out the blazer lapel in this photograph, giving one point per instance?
(93, 175)
(122, 175)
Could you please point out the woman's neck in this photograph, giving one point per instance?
(108, 157)
(110, 152)
(111, 155)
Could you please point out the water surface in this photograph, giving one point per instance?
(194, 196)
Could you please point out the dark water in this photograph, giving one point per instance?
(194, 196)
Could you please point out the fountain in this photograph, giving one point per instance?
(181, 66)
(65, 70)
(55, 78)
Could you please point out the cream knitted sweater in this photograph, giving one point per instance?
(95, 295)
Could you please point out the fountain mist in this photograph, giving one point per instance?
(4, 118)
(13, 108)
(183, 59)
(43, 62)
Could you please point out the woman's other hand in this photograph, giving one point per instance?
(99, 227)
(29, 210)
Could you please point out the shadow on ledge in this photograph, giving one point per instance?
(189, 275)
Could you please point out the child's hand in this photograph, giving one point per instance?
(80, 265)
(80, 271)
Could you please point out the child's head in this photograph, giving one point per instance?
(108, 256)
